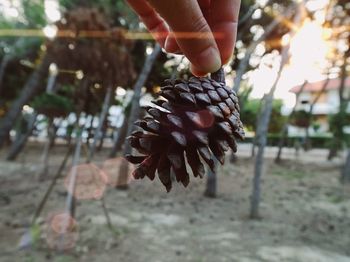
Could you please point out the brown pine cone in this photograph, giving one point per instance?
(199, 118)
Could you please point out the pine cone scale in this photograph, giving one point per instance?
(199, 119)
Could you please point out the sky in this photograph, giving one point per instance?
(308, 50)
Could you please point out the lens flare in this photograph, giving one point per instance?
(202, 118)
(91, 182)
(61, 231)
(118, 171)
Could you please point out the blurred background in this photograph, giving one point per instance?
(75, 75)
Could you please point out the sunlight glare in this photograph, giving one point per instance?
(52, 10)
(308, 50)
(50, 31)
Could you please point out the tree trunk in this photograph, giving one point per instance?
(54, 134)
(46, 151)
(135, 110)
(70, 202)
(120, 137)
(48, 192)
(103, 136)
(32, 86)
(284, 132)
(211, 185)
(338, 134)
(233, 158)
(257, 126)
(103, 115)
(264, 124)
(210, 190)
(4, 62)
(261, 143)
(307, 141)
(345, 174)
(50, 89)
(19, 144)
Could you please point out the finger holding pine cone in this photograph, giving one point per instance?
(197, 121)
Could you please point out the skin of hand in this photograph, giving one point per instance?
(203, 30)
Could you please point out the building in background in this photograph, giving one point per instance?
(327, 104)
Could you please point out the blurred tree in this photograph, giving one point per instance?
(31, 15)
(135, 112)
(254, 17)
(31, 87)
(338, 22)
(265, 117)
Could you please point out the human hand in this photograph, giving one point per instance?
(203, 30)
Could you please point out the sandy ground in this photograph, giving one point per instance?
(305, 215)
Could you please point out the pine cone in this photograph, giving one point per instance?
(199, 118)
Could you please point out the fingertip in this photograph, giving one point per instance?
(226, 59)
(171, 45)
(197, 72)
(208, 60)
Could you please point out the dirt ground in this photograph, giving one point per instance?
(305, 215)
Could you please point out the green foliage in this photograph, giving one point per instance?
(289, 174)
(301, 118)
(34, 13)
(52, 104)
(35, 233)
(336, 198)
(277, 119)
(250, 112)
(119, 12)
(319, 141)
(33, 16)
(316, 126)
(337, 122)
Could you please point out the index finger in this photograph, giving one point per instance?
(224, 18)
(154, 23)
(191, 31)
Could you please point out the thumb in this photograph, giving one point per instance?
(191, 32)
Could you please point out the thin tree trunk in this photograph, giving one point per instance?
(46, 151)
(284, 133)
(4, 62)
(343, 104)
(211, 186)
(264, 125)
(103, 115)
(70, 199)
(52, 185)
(242, 68)
(89, 130)
(103, 136)
(50, 89)
(345, 174)
(32, 86)
(135, 110)
(261, 143)
(19, 144)
(307, 142)
(54, 134)
(121, 136)
(257, 126)
(70, 203)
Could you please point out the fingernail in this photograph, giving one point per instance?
(171, 48)
(208, 60)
